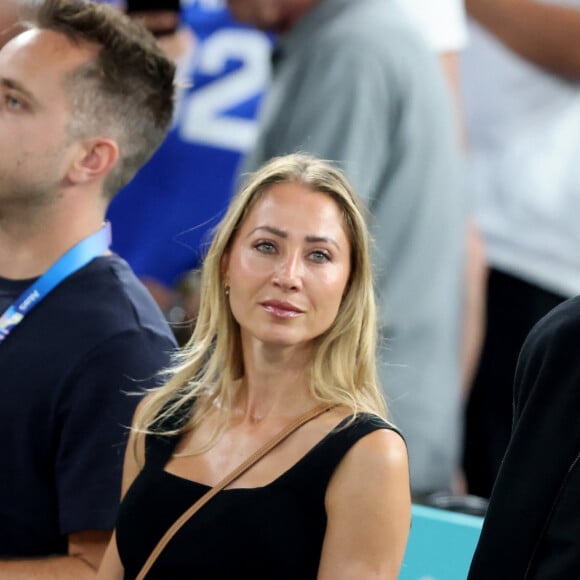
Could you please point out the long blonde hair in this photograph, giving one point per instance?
(343, 366)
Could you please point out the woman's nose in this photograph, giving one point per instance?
(288, 274)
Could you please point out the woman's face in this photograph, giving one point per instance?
(288, 267)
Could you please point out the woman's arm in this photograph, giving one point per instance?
(111, 567)
(368, 504)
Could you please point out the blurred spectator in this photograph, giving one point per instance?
(444, 25)
(353, 82)
(521, 78)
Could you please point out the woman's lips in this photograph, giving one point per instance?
(281, 309)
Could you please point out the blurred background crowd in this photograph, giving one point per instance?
(458, 122)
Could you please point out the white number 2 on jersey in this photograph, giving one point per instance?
(205, 112)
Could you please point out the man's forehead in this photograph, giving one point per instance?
(40, 62)
(48, 47)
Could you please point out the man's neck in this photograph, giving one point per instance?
(29, 250)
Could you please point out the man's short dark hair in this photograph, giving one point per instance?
(126, 92)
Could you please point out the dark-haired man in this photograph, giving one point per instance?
(86, 98)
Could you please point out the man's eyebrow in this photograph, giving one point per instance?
(282, 234)
(16, 86)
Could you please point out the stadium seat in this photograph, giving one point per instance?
(441, 544)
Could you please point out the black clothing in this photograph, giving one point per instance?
(65, 372)
(532, 526)
(274, 531)
(513, 307)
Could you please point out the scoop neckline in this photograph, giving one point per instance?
(277, 480)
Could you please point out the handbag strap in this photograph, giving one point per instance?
(233, 475)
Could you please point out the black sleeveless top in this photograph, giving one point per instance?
(271, 532)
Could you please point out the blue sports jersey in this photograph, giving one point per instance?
(163, 219)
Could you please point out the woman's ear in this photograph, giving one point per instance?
(95, 160)
(225, 268)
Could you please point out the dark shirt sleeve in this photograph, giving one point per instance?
(95, 412)
(544, 443)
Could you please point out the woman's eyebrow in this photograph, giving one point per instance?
(282, 234)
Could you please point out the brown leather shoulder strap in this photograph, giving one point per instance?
(186, 515)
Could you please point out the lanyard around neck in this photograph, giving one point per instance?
(74, 259)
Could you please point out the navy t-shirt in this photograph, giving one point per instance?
(65, 375)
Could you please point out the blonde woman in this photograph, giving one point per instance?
(286, 323)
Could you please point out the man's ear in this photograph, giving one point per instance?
(94, 161)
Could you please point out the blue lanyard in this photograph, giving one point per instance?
(78, 256)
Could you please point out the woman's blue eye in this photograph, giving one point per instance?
(320, 256)
(13, 102)
(265, 247)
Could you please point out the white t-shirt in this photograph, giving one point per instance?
(443, 22)
(523, 129)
